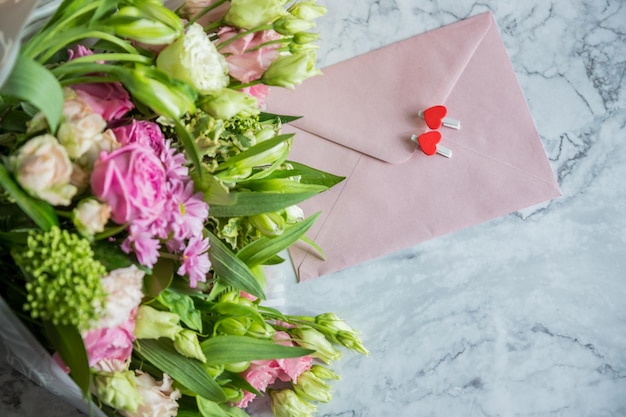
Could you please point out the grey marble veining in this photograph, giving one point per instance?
(522, 316)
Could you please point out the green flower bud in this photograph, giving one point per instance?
(233, 326)
(259, 331)
(64, 280)
(289, 70)
(337, 329)
(151, 323)
(323, 372)
(312, 388)
(147, 22)
(214, 370)
(186, 343)
(303, 38)
(286, 403)
(233, 395)
(269, 224)
(310, 338)
(227, 103)
(117, 390)
(167, 96)
(289, 25)
(251, 13)
(237, 366)
(307, 10)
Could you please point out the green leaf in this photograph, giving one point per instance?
(39, 211)
(230, 349)
(232, 270)
(209, 408)
(32, 82)
(310, 175)
(183, 306)
(265, 117)
(186, 371)
(111, 256)
(260, 147)
(160, 279)
(234, 309)
(68, 342)
(251, 203)
(238, 381)
(283, 186)
(262, 249)
(191, 149)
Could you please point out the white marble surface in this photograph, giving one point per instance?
(521, 316)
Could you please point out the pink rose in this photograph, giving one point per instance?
(109, 100)
(143, 132)
(248, 66)
(131, 180)
(110, 343)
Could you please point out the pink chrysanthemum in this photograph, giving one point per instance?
(196, 263)
(142, 242)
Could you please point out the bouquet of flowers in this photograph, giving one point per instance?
(142, 191)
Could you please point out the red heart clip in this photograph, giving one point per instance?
(434, 116)
(428, 141)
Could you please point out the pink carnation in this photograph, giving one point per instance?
(245, 63)
(110, 344)
(261, 374)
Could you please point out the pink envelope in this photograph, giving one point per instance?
(358, 120)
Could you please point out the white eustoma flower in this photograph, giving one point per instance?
(195, 59)
(159, 398)
(43, 168)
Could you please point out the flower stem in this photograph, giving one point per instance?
(243, 34)
(268, 43)
(242, 86)
(205, 11)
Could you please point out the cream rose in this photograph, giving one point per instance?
(43, 168)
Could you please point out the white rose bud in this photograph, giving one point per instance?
(43, 169)
(90, 217)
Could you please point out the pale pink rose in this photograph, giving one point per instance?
(107, 344)
(131, 180)
(143, 132)
(159, 399)
(43, 168)
(248, 66)
(193, 7)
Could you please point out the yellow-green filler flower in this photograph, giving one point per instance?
(64, 280)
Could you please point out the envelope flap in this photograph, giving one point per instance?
(380, 93)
